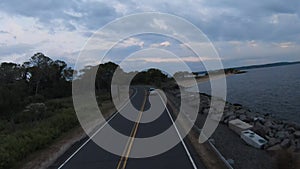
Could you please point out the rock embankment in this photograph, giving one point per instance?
(280, 134)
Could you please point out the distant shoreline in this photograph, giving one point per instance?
(266, 65)
(189, 82)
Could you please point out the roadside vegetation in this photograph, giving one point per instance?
(36, 105)
(34, 129)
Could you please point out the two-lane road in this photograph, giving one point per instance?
(90, 156)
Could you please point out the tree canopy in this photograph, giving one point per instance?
(39, 77)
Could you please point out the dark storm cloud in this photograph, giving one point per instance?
(263, 22)
(227, 28)
(226, 20)
(221, 20)
(90, 14)
(261, 7)
(266, 20)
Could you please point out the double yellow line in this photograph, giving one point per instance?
(123, 161)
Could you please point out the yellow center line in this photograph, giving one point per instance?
(129, 144)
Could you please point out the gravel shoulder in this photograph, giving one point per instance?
(233, 147)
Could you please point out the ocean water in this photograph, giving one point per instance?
(274, 90)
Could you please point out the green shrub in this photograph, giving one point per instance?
(3, 125)
(29, 138)
(35, 99)
(56, 104)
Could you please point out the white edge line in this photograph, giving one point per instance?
(184, 145)
(90, 138)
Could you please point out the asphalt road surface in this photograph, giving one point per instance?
(88, 155)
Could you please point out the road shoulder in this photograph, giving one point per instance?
(204, 151)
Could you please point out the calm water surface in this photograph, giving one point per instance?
(274, 90)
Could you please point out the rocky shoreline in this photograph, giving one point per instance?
(281, 135)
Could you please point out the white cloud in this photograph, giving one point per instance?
(252, 43)
(120, 8)
(131, 42)
(162, 44)
(165, 44)
(159, 23)
(173, 60)
(285, 44)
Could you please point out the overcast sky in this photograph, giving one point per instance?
(244, 32)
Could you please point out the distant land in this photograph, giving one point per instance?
(266, 65)
(254, 67)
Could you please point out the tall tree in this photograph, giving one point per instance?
(38, 68)
(10, 73)
(12, 89)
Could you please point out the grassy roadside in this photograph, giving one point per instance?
(34, 140)
(41, 159)
(35, 132)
